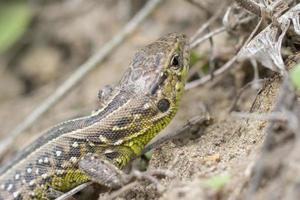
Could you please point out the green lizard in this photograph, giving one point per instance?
(135, 111)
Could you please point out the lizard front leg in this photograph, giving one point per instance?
(103, 171)
(99, 170)
(105, 167)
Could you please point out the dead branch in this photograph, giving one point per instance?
(73, 191)
(208, 77)
(200, 6)
(202, 28)
(225, 67)
(122, 190)
(273, 116)
(242, 90)
(250, 6)
(197, 42)
(286, 102)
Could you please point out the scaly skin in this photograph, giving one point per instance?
(143, 103)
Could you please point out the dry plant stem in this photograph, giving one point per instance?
(250, 6)
(274, 116)
(285, 101)
(80, 73)
(207, 24)
(242, 90)
(135, 174)
(255, 69)
(207, 36)
(122, 190)
(73, 191)
(149, 176)
(256, 96)
(203, 27)
(212, 63)
(200, 6)
(207, 78)
(224, 68)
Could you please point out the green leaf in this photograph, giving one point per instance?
(217, 182)
(149, 154)
(295, 76)
(194, 58)
(14, 20)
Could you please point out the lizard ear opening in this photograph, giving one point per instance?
(163, 105)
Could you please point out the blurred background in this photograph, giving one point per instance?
(42, 42)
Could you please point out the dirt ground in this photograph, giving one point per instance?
(215, 163)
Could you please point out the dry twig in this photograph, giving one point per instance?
(207, 24)
(122, 190)
(272, 10)
(200, 6)
(241, 91)
(285, 103)
(207, 36)
(250, 6)
(208, 77)
(73, 191)
(137, 175)
(225, 67)
(273, 116)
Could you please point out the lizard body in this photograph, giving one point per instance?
(135, 111)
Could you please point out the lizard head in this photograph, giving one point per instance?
(159, 70)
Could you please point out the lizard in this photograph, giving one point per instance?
(133, 112)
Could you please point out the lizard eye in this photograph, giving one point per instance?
(175, 61)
